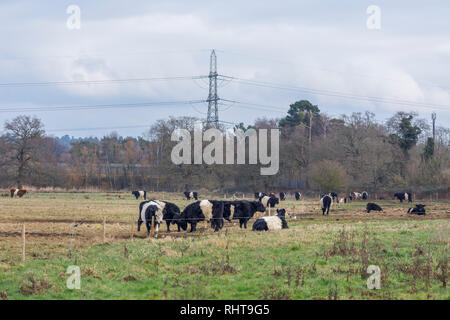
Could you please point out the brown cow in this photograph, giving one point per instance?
(17, 192)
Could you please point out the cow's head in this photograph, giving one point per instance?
(281, 212)
(259, 206)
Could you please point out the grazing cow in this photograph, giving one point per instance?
(260, 195)
(17, 192)
(403, 196)
(282, 196)
(334, 196)
(211, 210)
(297, 196)
(228, 209)
(269, 202)
(171, 213)
(191, 195)
(140, 194)
(356, 195)
(419, 210)
(373, 207)
(244, 211)
(277, 222)
(325, 203)
(364, 195)
(147, 210)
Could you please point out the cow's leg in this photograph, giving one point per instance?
(147, 224)
(245, 223)
(193, 226)
(168, 226)
(139, 224)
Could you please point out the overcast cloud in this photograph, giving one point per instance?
(314, 44)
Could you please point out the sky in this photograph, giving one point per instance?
(322, 51)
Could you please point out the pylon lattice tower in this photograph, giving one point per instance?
(212, 120)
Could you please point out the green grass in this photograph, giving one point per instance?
(320, 259)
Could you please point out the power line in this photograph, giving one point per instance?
(101, 106)
(95, 82)
(120, 127)
(337, 94)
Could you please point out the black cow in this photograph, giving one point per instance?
(140, 194)
(244, 211)
(211, 210)
(373, 207)
(282, 196)
(171, 214)
(419, 210)
(272, 222)
(403, 196)
(191, 195)
(325, 203)
(297, 196)
(364, 195)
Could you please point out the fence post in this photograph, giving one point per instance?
(437, 196)
(152, 232)
(23, 242)
(131, 229)
(104, 229)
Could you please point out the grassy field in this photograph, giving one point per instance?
(316, 258)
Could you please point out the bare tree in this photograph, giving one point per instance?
(23, 134)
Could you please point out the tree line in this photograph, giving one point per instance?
(317, 153)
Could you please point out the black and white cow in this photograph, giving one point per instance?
(282, 196)
(171, 213)
(325, 204)
(191, 195)
(403, 196)
(356, 195)
(364, 195)
(269, 201)
(419, 210)
(140, 194)
(373, 207)
(277, 222)
(334, 196)
(260, 195)
(297, 195)
(209, 210)
(244, 211)
(147, 210)
(228, 209)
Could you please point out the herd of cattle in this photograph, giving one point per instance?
(216, 211)
(212, 211)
